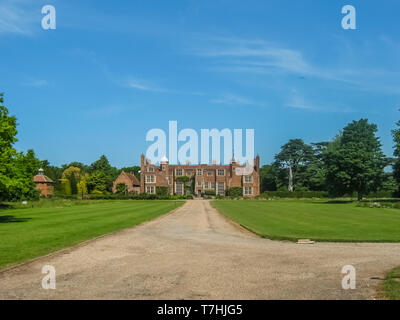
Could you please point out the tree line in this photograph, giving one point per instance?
(17, 169)
(353, 162)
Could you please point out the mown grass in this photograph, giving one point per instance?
(341, 221)
(31, 232)
(391, 285)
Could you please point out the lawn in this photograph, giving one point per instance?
(316, 220)
(391, 285)
(32, 232)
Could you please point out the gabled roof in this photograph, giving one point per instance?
(132, 177)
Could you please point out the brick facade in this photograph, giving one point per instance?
(44, 184)
(206, 177)
(129, 179)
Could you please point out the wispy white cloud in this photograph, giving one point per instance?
(297, 101)
(264, 57)
(143, 85)
(255, 54)
(19, 16)
(233, 99)
(36, 83)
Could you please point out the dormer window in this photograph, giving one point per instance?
(199, 172)
(150, 169)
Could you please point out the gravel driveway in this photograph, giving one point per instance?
(195, 253)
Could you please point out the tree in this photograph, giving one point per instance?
(108, 172)
(396, 153)
(73, 174)
(134, 169)
(97, 181)
(102, 165)
(354, 161)
(65, 187)
(16, 169)
(82, 186)
(293, 154)
(268, 178)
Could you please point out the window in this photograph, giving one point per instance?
(221, 172)
(199, 172)
(221, 188)
(150, 179)
(206, 185)
(179, 188)
(213, 185)
(209, 173)
(248, 179)
(151, 189)
(248, 191)
(199, 183)
(179, 172)
(163, 167)
(150, 169)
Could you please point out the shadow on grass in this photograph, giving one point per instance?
(5, 206)
(334, 202)
(11, 219)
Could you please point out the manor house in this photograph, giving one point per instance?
(201, 178)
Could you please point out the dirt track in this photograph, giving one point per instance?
(194, 253)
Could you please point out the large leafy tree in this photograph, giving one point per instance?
(354, 161)
(293, 156)
(99, 181)
(102, 173)
(16, 169)
(73, 174)
(268, 178)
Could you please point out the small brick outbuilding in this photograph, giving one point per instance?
(44, 184)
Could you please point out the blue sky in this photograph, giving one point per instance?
(112, 70)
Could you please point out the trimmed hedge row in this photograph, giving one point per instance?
(320, 194)
(295, 194)
(121, 196)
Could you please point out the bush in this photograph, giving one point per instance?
(210, 192)
(162, 191)
(122, 188)
(235, 192)
(135, 196)
(295, 194)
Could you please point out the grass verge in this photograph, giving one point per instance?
(391, 285)
(317, 220)
(33, 232)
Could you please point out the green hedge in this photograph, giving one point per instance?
(234, 192)
(143, 196)
(295, 194)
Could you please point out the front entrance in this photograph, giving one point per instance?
(199, 193)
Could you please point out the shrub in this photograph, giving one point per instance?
(162, 191)
(295, 194)
(210, 193)
(122, 188)
(235, 192)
